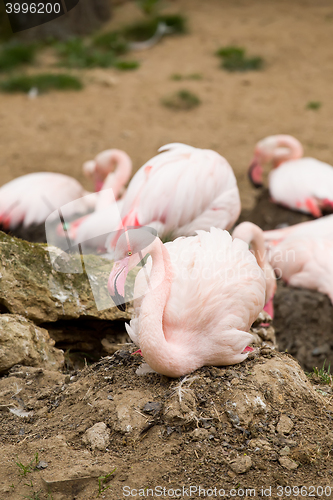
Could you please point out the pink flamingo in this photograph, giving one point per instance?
(303, 184)
(254, 237)
(181, 190)
(96, 226)
(30, 199)
(303, 254)
(196, 309)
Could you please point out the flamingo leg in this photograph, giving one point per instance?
(269, 308)
(327, 205)
(312, 206)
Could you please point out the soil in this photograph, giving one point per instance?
(255, 425)
(58, 132)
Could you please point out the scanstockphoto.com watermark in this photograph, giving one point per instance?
(217, 492)
(72, 254)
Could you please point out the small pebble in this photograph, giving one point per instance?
(42, 465)
(241, 464)
(285, 451)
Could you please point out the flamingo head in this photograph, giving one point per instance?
(276, 149)
(132, 246)
(90, 171)
(255, 173)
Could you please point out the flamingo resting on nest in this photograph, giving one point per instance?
(30, 199)
(95, 227)
(203, 294)
(303, 184)
(179, 191)
(254, 237)
(303, 254)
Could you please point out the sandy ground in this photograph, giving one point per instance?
(58, 131)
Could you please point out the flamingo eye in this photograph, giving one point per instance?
(129, 253)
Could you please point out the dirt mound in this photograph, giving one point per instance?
(304, 325)
(258, 424)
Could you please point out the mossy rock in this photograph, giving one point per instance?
(30, 285)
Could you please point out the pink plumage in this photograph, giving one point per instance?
(30, 199)
(303, 184)
(197, 306)
(181, 190)
(254, 237)
(303, 254)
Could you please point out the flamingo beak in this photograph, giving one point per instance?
(116, 283)
(255, 174)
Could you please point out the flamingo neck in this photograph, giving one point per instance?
(258, 246)
(159, 354)
(115, 180)
(287, 148)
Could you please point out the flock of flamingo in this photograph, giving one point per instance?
(205, 286)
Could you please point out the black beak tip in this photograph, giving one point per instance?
(121, 307)
(254, 184)
(119, 302)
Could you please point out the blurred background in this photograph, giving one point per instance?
(182, 89)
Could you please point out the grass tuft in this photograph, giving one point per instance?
(148, 6)
(325, 376)
(102, 480)
(143, 30)
(43, 82)
(16, 54)
(112, 40)
(191, 76)
(182, 100)
(313, 105)
(234, 59)
(76, 53)
(127, 65)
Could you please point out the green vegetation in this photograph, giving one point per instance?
(102, 480)
(24, 470)
(182, 100)
(234, 59)
(148, 6)
(43, 82)
(103, 51)
(127, 65)
(144, 30)
(192, 76)
(313, 105)
(112, 40)
(325, 376)
(77, 53)
(16, 54)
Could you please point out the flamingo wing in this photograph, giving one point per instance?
(305, 184)
(183, 189)
(217, 291)
(30, 199)
(303, 254)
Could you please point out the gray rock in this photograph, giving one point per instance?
(152, 407)
(284, 425)
(287, 463)
(200, 434)
(22, 342)
(285, 451)
(42, 465)
(98, 436)
(30, 285)
(322, 349)
(240, 465)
